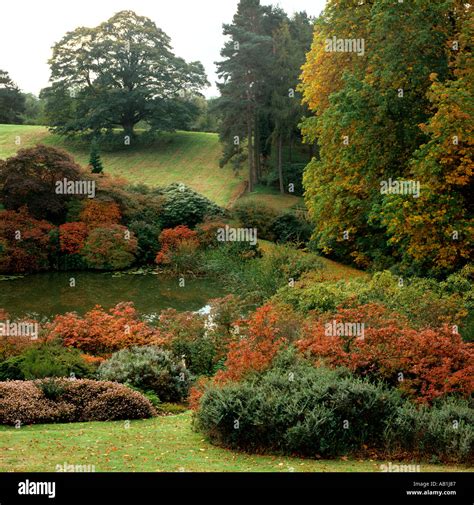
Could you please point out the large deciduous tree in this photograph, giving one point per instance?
(369, 108)
(118, 74)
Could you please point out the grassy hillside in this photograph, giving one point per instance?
(188, 157)
(162, 444)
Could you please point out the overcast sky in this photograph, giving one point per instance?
(29, 28)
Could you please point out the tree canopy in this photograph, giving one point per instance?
(118, 74)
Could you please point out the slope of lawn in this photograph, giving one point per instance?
(162, 444)
(188, 157)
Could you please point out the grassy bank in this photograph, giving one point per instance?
(188, 157)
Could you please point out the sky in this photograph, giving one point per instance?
(29, 29)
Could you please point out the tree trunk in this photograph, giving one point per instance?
(250, 156)
(128, 130)
(280, 164)
(256, 149)
(291, 146)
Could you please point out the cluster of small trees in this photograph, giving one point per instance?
(108, 228)
(259, 106)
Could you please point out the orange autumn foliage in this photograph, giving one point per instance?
(424, 364)
(72, 237)
(260, 341)
(171, 239)
(96, 213)
(100, 332)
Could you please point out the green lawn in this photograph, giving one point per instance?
(188, 157)
(162, 444)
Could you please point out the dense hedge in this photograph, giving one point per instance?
(296, 408)
(63, 400)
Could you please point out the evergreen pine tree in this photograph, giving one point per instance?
(94, 160)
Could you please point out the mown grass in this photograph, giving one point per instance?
(162, 444)
(188, 157)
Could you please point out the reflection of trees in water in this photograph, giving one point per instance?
(50, 293)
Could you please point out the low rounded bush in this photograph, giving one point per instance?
(183, 206)
(65, 400)
(294, 407)
(444, 432)
(118, 404)
(149, 368)
(110, 247)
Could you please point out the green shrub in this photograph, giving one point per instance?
(425, 302)
(183, 206)
(185, 258)
(111, 247)
(259, 278)
(65, 400)
(148, 368)
(444, 432)
(296, 408)
(147, 238)
(172, 408)
(52, 389)
(10, 369)
(200, 354)
(252, 214)
(291, 227)
(53, 360)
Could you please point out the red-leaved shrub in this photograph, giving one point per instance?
(424, 363)
(101, 332)
(171, 239)
(24, 242)
(72, 237)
